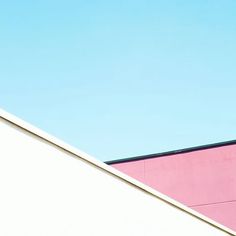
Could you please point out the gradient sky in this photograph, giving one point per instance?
(121, 78)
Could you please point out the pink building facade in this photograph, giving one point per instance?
(203, 178)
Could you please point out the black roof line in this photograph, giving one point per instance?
(162, 154)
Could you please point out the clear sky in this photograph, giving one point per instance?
(121, 78)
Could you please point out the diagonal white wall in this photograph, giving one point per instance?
(46, 191)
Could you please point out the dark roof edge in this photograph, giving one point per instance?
(174, 152)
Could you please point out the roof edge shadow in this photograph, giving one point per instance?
(173, 152)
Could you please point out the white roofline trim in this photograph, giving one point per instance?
(99, 164)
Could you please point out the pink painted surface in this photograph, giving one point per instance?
(204, 180)
(224, 213)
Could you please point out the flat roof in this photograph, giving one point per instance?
(173, 152)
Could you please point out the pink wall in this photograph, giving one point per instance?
(204, 180)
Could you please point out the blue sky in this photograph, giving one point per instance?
(121, 78)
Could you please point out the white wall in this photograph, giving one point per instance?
(47, 192)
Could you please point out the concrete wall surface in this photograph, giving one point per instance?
(204, 180)
(48, 190)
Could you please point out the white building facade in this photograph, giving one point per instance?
(49, 188)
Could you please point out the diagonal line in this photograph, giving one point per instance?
(213, 203)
